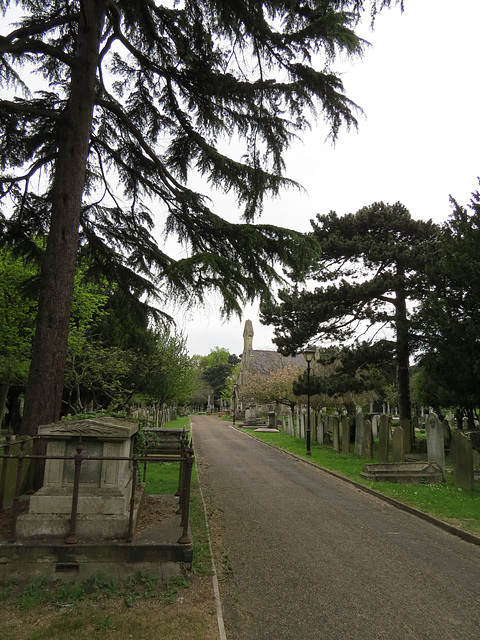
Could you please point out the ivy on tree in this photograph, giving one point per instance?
(136, 98)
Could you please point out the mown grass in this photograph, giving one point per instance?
(444, 501)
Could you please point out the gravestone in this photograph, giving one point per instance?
(251, 413)
(336, 434)
(462, 457)
(345, 434)
(302, 425)
(359, 434)
(383, 438)
(320, 431)
(291, 428)
(447, 434)
(272, 419)
(375, 425)
(398, 445)
(435, 441)
(367, 450)
(105, 485)
(406, 425)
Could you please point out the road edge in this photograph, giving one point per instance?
(216, 589)
(464, 535)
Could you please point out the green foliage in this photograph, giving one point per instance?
(449, 320)
(18, 305)
(132, 102)
(371, 263)
(216, 373)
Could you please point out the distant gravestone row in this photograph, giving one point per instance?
(394, 443)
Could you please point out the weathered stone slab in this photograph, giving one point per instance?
(435, 441)
(383, 438)
(398, 445)
(462, 458)
(359, 434)
(105, 485)
(367, 450)
(403, 472)
(336, 434)
(345, 434)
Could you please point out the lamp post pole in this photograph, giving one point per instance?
(309, 355)
(235, 386)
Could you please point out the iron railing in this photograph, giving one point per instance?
(184, 456)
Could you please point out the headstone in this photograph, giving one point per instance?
(406, 425)
(345, 434)
(284, 425)
(313, 424)
(320, 432)
(359, 434)
(367, 451)
(375, 425)
(447, 434)
(435, 441)
(251, 413)
(383, 439)
(272, 420)
(302, 425)
(291, 426)
(336, 434)
(398, 445)
(462, 461)
(105, 485)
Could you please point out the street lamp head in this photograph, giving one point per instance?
(309, 353)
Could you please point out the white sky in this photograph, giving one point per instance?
(417, 143)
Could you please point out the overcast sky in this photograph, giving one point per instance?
(418, 142)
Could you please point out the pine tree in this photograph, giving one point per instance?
(137, 96)
(371, 264)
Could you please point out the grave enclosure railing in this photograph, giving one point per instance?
(184, 456)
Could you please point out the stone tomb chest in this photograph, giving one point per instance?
(105, 485)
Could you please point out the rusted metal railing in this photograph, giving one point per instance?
(185, 458)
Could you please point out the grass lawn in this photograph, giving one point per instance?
(445, 501)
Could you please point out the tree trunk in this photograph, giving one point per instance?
(44, 390)
(403, 357)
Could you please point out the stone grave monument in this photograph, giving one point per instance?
(105, 485)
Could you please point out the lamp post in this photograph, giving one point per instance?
(235, 387)
(308, 354)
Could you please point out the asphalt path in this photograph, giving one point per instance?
(312, 557)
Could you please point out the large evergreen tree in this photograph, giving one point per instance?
(371, 263)
(142, 94)
(448, 324)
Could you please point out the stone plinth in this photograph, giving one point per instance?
(105, 485)
(403, 472)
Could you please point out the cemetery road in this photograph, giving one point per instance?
(305, 556)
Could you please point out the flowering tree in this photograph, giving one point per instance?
(276, 387)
